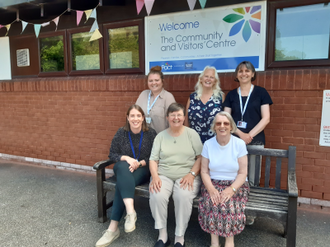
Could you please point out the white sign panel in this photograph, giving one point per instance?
(222, 37)
(325, 121)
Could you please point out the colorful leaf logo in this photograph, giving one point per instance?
(246, 19)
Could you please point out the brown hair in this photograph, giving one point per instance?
(156, 70)
(249, 66)
(144, 124)
(175, 107)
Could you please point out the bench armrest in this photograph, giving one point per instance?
(102, 164)
(292, 184)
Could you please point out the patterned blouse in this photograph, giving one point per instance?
(201, 116)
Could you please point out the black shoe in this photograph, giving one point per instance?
(179, 245)
(160, 243)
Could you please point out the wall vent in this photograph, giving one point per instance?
(23, 57)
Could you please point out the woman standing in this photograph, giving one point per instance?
(174, 165)
(156, 100)
(130, 150)
(225, 188)
(249, 107)
(204, 103)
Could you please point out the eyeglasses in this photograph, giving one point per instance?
(175, 116)
(222, 123)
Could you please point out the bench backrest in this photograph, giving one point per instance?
(267, 154)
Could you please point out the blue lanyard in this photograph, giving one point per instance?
(247, 100)
(149, 107)
(130, 140)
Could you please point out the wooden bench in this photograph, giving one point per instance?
(264, 201)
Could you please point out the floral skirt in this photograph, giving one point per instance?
(226, 219)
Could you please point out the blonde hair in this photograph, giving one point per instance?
(217, 92)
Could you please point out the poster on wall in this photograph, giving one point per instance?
(325, 121)
(186, 42)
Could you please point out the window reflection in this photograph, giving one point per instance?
(302, 32)
(85, 54)
(51, 54)
(124, 47)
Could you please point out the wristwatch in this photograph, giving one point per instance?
(193, 173)
(140, 165)
(235, 190)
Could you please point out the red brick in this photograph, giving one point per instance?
(314, 155)
(310, 168)
(326, 196)
(322, 189)
(311, 194)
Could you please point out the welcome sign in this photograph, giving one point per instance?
(186, 42)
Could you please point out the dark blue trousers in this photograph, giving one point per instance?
(125, 186)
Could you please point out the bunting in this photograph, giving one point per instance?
(202, 3)
(1, 26)
(56, 20)
(88, 14)
(79, 16)
(139, 5)
(96, 35)
(149, 4)
(191, 4)
(37, 28)
(8, 27)
(24, 24)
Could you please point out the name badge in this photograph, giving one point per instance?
(241, 124)
(148, 120)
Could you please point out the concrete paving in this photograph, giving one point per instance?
(42, 206)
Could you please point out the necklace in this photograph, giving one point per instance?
(174, 139)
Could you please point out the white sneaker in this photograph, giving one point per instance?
(107, 238)
(130, 220)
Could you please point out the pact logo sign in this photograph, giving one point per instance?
(167, 66)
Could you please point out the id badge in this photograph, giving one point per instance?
(241, 124)
(148, 120)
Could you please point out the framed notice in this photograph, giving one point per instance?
(325, 121)
(186, 42)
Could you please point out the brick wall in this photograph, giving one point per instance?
(74, 119)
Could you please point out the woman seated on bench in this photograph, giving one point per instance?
(174, 164)
(225, 188)
(130, 149)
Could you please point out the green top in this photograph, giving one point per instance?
(176, 155)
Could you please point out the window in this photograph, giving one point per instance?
(52, 54)
(124, 47)
(298, 35)
(86, 57)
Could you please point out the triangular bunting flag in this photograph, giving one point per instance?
(79, 15)
(24, 24)
(56, 21)
(93, 14)
(88, 14)
(139, 5)
(45, 24)
(8, 27)
(1, 26)
(149, 4)
(96, 35)
(37, 28)
(191, 4)
(202, 3)
(95, 26)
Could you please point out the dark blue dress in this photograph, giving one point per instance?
(201, 116)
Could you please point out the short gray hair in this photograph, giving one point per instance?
(229, 117)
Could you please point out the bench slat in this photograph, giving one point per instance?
(267, 172)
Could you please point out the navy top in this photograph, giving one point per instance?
(201, 116)
(252, 115)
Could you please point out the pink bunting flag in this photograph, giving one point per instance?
(79, 16)
(56, 20)
(191, 4)
(149, 4)
(139, 5)
(1, 26)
